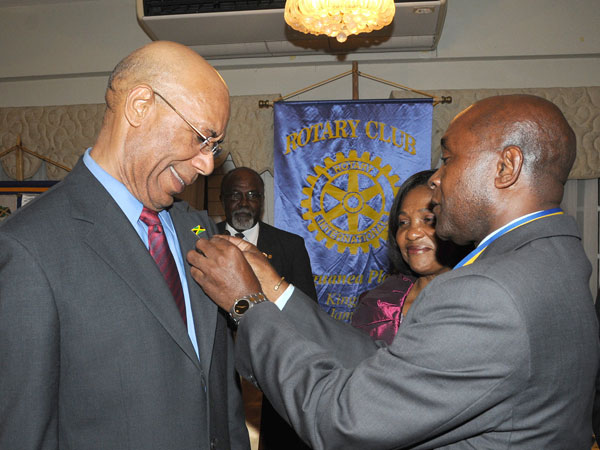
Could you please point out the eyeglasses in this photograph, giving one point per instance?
(213, 148)
(236, 196)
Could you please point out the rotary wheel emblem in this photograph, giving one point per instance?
(348, 201)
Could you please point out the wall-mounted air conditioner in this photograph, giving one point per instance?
(217, 30)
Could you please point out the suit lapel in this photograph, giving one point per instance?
(265, 242)
(221, 227)
(203, 309)
(107, 231)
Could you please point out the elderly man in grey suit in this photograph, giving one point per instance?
(106, 342)
(501, 352)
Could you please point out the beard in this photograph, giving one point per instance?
(243, 219)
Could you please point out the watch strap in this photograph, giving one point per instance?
(243, 304)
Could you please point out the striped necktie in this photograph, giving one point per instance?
(159, 249)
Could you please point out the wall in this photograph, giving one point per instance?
(60, 52)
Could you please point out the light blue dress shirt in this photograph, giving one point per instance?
(132, 208)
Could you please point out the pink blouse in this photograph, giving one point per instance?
(379, 311)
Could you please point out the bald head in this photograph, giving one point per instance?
(503, 157)
(167, 67)
(240, 172)
(537, 127)
(167, 111)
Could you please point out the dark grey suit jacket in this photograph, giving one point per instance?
(503, 353)
(94, 354)
(289, 256)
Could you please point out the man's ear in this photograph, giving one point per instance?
(509, 167)
(138, 103)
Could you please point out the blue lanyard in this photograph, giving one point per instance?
(471, 257)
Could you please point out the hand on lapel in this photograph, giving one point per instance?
(222, 271)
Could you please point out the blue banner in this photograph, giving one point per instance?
(338, 166)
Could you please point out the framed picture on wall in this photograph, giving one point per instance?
(16, 194)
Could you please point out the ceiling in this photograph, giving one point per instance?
(6, 3)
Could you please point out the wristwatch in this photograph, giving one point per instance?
(242, 305)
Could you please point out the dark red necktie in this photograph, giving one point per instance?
(159, 249)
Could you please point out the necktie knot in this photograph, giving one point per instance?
(150, 218)
(240, 235)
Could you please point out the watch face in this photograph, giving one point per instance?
(241, 306)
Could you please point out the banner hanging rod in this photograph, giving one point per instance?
(355, 74)
(19, 150)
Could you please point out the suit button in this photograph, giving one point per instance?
(213, 443)
(203, 382)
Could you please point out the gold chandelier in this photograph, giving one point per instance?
(338, 18)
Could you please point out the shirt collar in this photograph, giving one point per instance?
(251, 234)
(131, 206)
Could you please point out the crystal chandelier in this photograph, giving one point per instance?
(338, 18)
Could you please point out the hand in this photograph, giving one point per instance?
(267, 275)
(222, 271)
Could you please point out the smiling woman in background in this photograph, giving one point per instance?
(417, 256)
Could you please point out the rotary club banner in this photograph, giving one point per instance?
(338, 166)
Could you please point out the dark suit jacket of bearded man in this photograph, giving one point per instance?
(291, 260)
(94, 352)
(502, 353)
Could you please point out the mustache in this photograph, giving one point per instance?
(243, 210)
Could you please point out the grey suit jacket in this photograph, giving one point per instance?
(499, 354)
(94, 354)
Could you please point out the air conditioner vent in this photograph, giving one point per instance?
(256, 28)
(170, 7)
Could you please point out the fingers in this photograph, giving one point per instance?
(215, 245)
(242, 244)
(220, 268)
(228, 268)
(232, 239)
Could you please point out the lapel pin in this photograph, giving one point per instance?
(198, 229)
